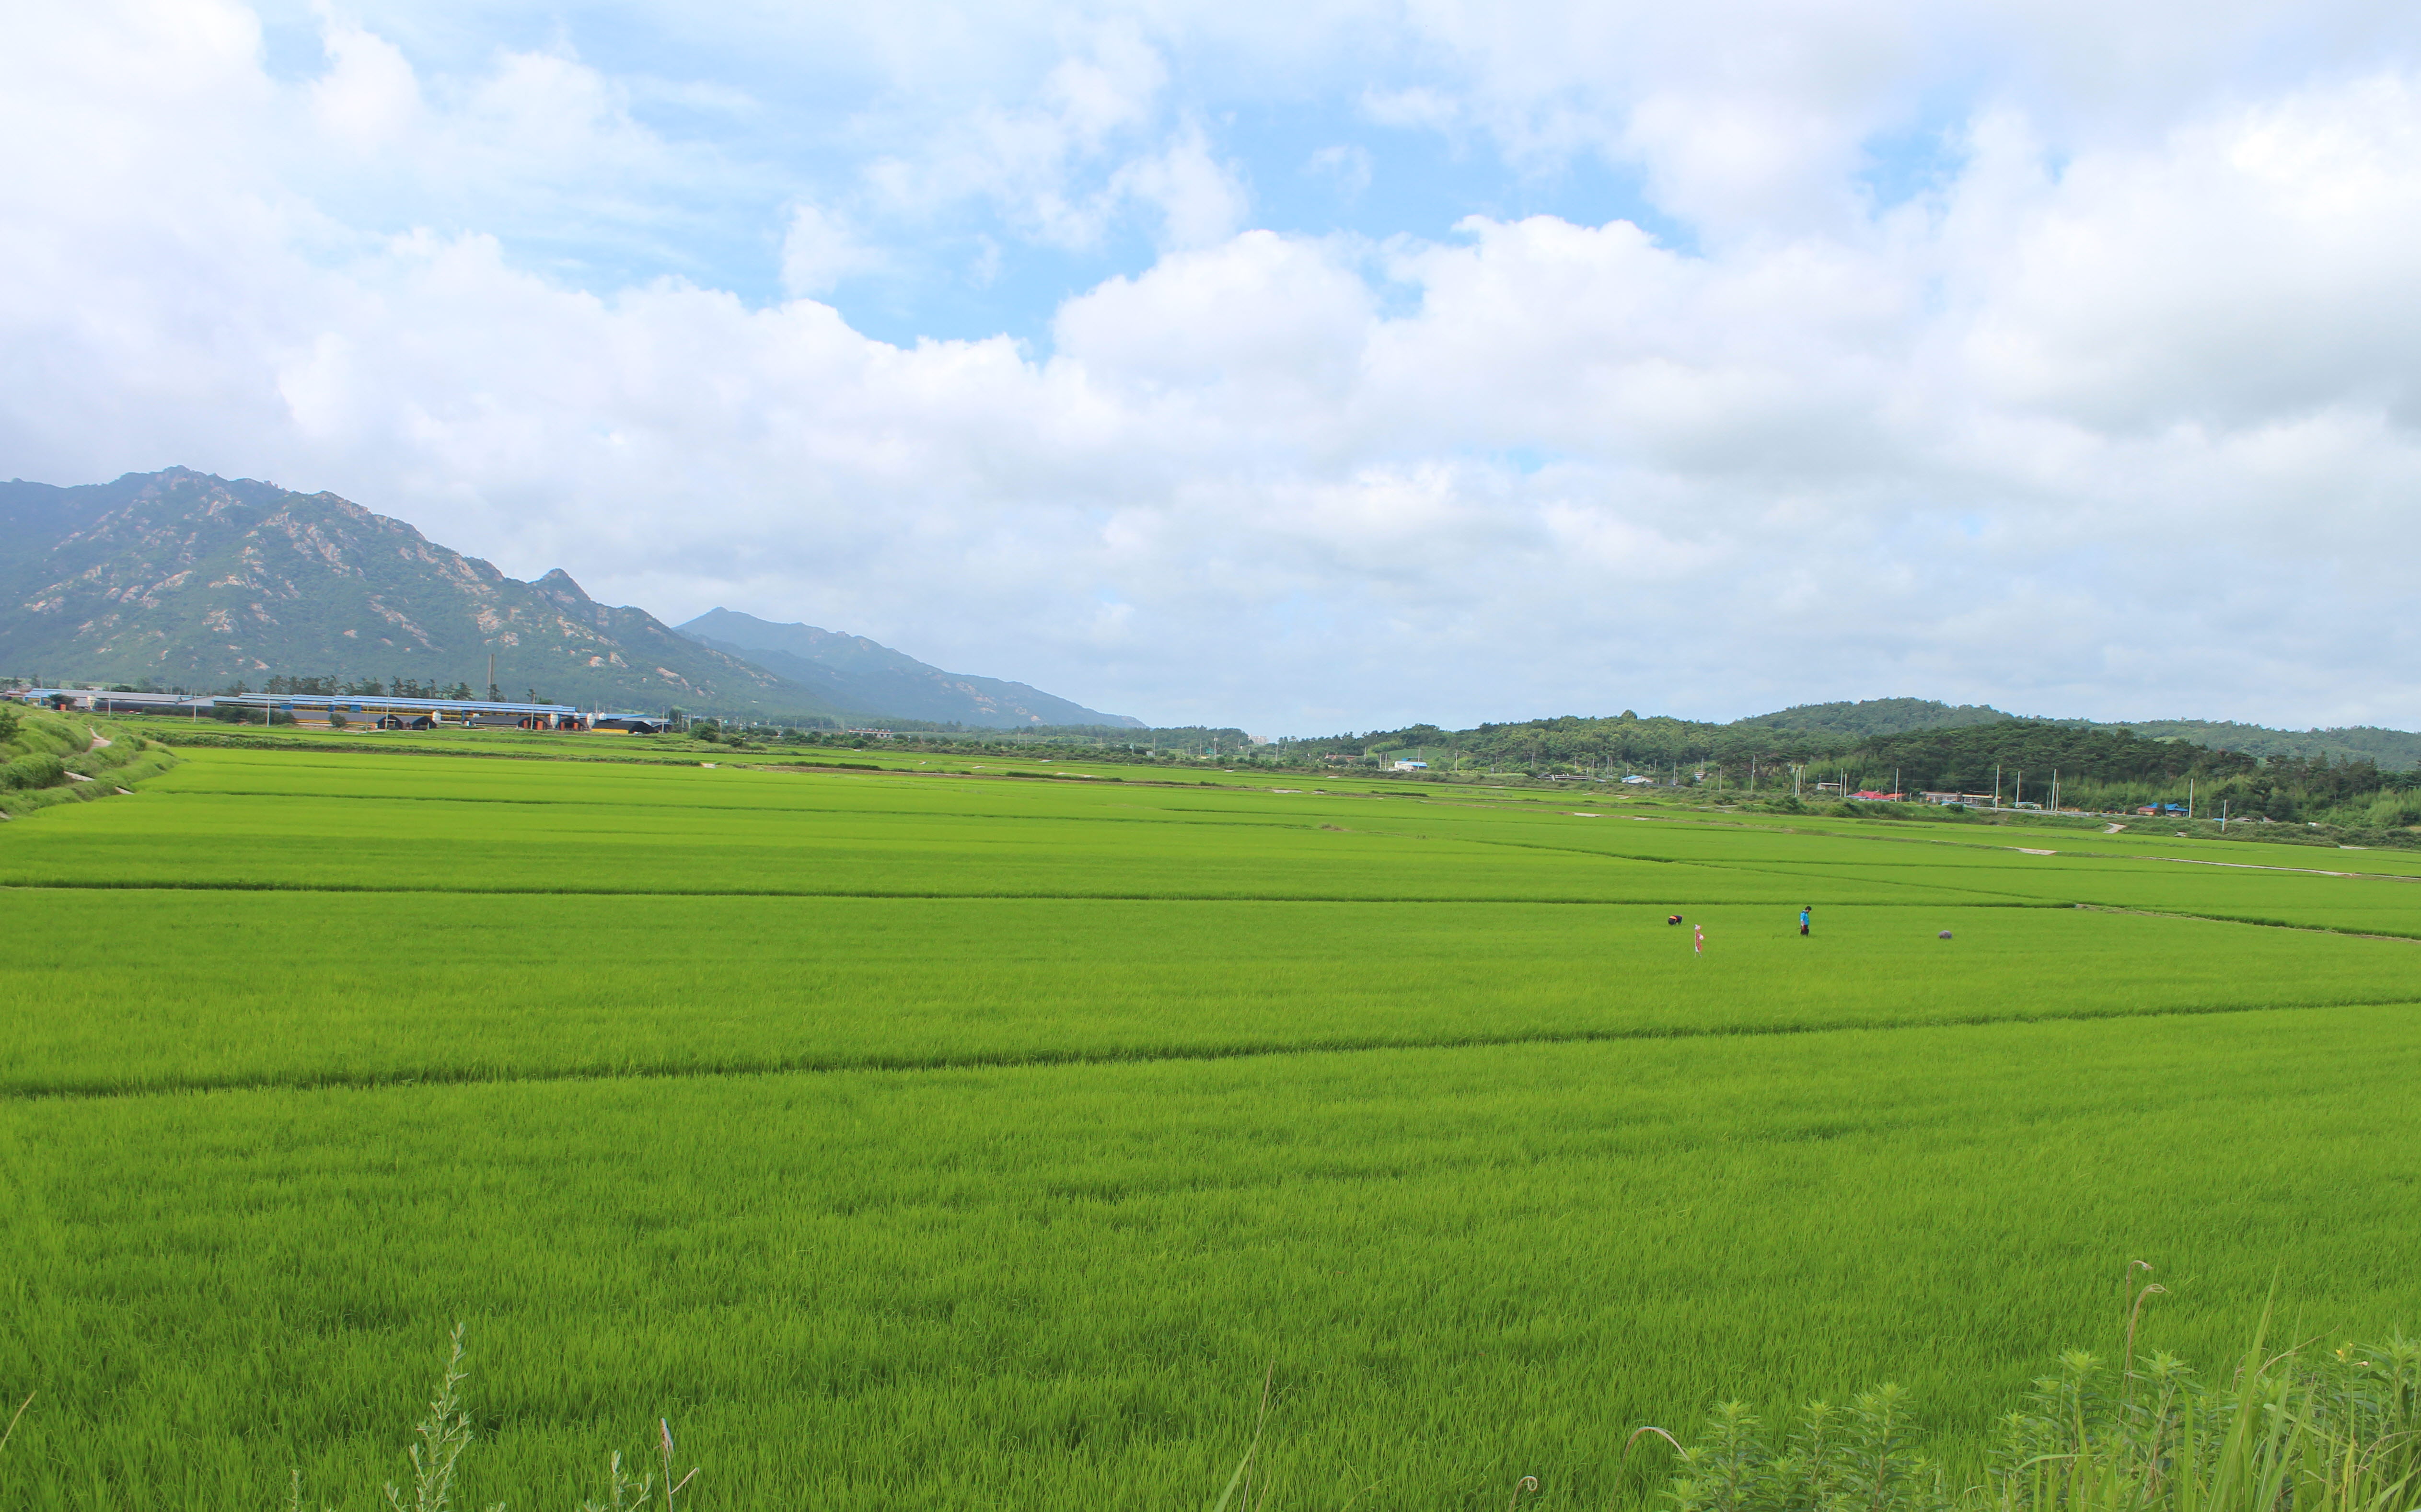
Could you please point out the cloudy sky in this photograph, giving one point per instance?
(1317, 366)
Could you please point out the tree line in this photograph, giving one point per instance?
(2098, 766)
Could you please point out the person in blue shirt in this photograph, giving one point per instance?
(1802, 917)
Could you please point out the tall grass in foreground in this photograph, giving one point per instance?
(445, 1434)
(2305, 1430)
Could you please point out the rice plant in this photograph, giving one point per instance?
(947, 1143)
(2309, 1428)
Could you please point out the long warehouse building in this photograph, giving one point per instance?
(385, 711)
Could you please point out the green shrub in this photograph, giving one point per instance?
(39, 769)
(1831, 1460)
(34, 763)
(2391, 810)
(2334, 1430)
(43, 733)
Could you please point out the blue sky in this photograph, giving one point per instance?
(1310, 151)
(1336, 364)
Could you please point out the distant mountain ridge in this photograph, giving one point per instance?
(1872, 718)
(2396, 750)
(864, 673)
(183, 579)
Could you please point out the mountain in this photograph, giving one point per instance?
(1873, 716)
(857, 672)
(2394, 750)
(186, 580)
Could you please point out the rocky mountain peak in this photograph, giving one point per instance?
(179, 579)
(558, 582)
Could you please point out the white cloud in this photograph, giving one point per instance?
(369, 97)
(2115, 418)
(2255, 264)
(1200, 201)
(1062, 167)
(819, 250)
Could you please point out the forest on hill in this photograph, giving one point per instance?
(1850, 748)
(2103, 769)
(1823, 750)
(2398, 750)
(1873, 716)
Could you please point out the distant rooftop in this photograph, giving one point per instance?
(351, 702)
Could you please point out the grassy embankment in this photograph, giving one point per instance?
(60, 758)
(948, 1142)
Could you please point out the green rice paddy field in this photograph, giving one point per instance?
(919, 1138)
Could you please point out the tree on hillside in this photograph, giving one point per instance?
(1963, 760)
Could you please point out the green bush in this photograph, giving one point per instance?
(39, 769)
(1831, 1460)
(2391, 810)
(2335, 1429)
(45, 747)
(43, 733)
